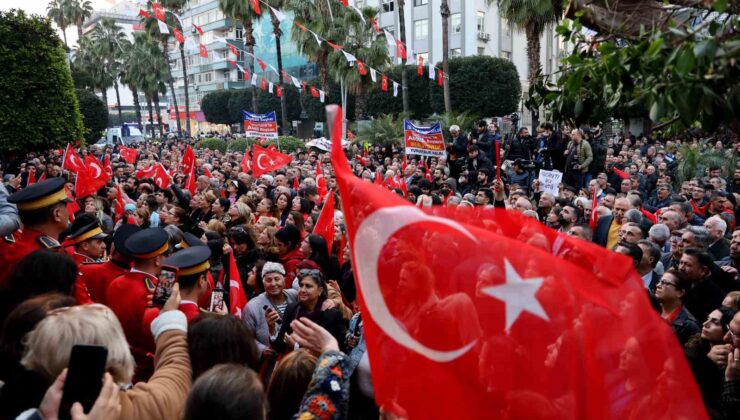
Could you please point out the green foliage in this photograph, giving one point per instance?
(680, 76)
(487, 86)
(38, 106)
(420, 105)
(267, 102)
(239, 145)
(693, 161)
(464, 120)
(94, 114)
(215, 107)
(126, 117)
(385, 130)
(213, 144)
(240, 100)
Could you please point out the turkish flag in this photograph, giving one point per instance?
(143, 13)
(233, 49)
(246, 163)
(420, 66)
(178, 35)
(375, 25)
(256, 6)
(324, 226)
(31, 176)
(106, 166)
(128, 154)
(96, 170)
(378, 178)
(190, 182)
(279, 91)
(147, 172)
(400, 49)
(314, 92)
(391, 183)
(158, 11)
(203, 51)
(92, 178)
(237, 298)
(199, 29)
(262, 64)
(440, 78)
(594, 214)
(384, 83)
(263, 84)
(71, 160)
(157, 173)
(491, 315)
(267, 160)
(621, 174)
(120, 205)
(361, 68)
(296, 184)
(207, 172)
(188, 160)
(320, 181)
(72, 206)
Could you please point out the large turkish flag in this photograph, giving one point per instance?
(490, 315)
(267, 160)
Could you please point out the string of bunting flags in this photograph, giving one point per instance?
(402, 53)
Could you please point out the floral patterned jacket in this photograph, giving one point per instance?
(327, 396)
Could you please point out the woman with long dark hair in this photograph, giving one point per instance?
(314, 248)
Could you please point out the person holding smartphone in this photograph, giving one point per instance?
(264, 312)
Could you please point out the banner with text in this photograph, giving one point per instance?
(260, 125)
(424, 141)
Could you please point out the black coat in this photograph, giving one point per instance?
(720, 249)
(601, 234)
(685, 326)
(703, 297)
(331, 320)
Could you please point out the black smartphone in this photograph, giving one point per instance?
(217, 299)
(167, 279)
(84, 378)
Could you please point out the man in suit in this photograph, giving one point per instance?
(646, 267)
(719, 247)
(607, 228)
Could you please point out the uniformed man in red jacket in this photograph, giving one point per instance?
(98, 276)
(88, 238)
(42, 208)
(128, 294)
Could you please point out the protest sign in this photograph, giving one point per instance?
(260, 125)
(424, 141)
(549, 181)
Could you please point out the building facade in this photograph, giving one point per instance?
(476, 28)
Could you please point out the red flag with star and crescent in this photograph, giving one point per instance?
(324, 226)
(128, 154)
(267, 160)
(71, 160)
(492, 315)
(320, 181)
(188, 161)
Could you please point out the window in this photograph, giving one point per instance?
(455, 52)
(506, 55)
(420, 2)
(239, 76)
(505, 27)
(239, 33)
(481, 51)
(388, 5)
(456, 23)
(421, 28)
(481, 22)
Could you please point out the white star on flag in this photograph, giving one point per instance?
(163, 29)
(518, 295)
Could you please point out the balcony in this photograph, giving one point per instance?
(235, 84)
(483, 36)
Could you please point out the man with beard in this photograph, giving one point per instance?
(569, 216)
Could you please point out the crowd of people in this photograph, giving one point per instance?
(73, 270)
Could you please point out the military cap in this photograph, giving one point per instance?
(88, 231)
(42, 194)
(189, 240)
(193, 260)
(121, 235)
(147, 243)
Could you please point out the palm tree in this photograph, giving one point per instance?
(360, 40)
(402, 27)
(176, 7)
(278, 4)
(531, 16)
(152, 28)
(127, 75)
(80, 10)
(444, 10)
(243, 12)
(89, 57)
(148, 69)
(57, 11)
(108, 38)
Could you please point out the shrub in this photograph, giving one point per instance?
(213, 144)
(239, 145)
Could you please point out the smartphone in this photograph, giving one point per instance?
(84, 378)
(167, 279)
(217, 300)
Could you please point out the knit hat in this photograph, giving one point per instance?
(272, 267)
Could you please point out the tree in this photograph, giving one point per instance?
(128, 77)
(242, 11)
(79, 11)
(531, 16)
(487, 86)
(240, 100)
(108, 38)
(278, 4)
(149, 69)
(91, 60)
(94, 114)
(57, 11)
(681, 68)
(215, 107)
(385, 130)
(39, 109)
(379, 102)
(444, 10)
(176, 6)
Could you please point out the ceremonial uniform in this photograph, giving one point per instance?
(127, 296)
(84, 229)
(98, 276)
(13, 248)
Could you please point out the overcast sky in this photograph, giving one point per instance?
(39, 7)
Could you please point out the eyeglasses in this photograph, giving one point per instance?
(667, 283)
